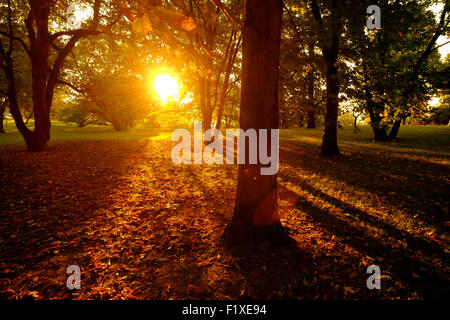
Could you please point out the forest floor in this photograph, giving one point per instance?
(141, 227)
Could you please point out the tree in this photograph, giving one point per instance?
(3, 103)
(256, 210)
(42, 48)
(329, 35)
(193, 28)
(402, 54)
(301, 72)
(121, 101)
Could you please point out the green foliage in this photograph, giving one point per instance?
(77, 113)
(441, 114)
(121, 101)
(388, 78)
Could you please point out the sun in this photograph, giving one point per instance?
(166, 87)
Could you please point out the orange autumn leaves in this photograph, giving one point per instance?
(155, 15)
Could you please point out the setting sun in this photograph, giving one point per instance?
(166, 87)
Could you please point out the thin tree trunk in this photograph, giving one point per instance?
(311, 124)
(2, 115)
(12, 98)
(226, 81)
(256, 211)
(205, 103)
(29, 117)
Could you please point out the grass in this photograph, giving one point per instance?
(66, 132)
(142, 228)
(428, 138)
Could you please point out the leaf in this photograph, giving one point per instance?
(147, 25)
(188, 24)
(138, 26)
(203, 263)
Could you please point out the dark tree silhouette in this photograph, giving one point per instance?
(329, 43)
(256, 211)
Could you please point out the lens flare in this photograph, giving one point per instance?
(166, 87)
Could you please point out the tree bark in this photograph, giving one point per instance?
(39, 53)
(2, 114)
(329, 140)
(379, 132)
(311, 120)
(329, 43)
(256, 211)
(301, 121)
(394, 130)
(311, 123)
(205, 103)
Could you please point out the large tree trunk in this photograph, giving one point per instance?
(39, 53)
(379, 134)
(256, 211)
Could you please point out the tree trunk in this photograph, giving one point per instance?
(223, 95)
(379, 132)
(2, 114)
(311, 120)
(205, 103)
(394, 130)
(329, 43)
(44, 77)
(256, 211)
(301, 121)
(329, 140)
(311, 124)
(39, 53)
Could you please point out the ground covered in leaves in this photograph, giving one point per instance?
(141, 227)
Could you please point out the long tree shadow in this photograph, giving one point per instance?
(413, 242)
(425, 187)
(406, 265)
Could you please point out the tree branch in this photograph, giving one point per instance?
(18, 39)
(71, 86)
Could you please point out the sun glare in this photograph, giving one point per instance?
(166, 87)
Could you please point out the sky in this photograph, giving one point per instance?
(445, 50)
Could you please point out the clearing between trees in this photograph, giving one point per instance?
(141, 227)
